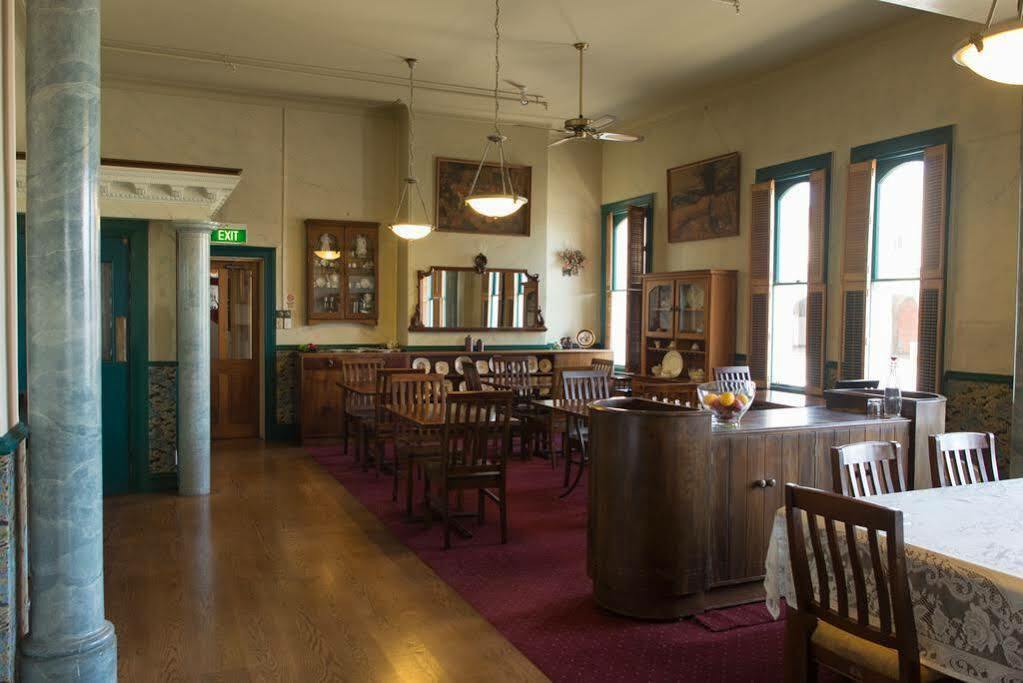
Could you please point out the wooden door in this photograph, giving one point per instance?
(235, 345)
(114, 298)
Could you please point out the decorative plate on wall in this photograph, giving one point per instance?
(532, 363)
(482, 367)
(421, 364)
(459, 362)
(442, 367)
(545, 365)
(585, 338)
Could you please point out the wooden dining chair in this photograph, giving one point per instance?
(381, 429)
(584, 385)
(960, 458)
(475, 443)
(512, 374)
(870, 468)
(830, 624)
(413, 444)
(357, 407)
(472, 377)
(605, 365)
(732, 373)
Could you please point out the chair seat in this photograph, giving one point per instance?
(863, 654)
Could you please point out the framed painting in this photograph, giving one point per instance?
(454, 179)
(703, 199)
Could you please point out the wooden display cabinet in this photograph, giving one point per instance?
(345, 288)
(692, 312)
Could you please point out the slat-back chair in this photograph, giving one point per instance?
(584, 385)
(472, 378)
(605, 365)
(413, 444)
(836, 630)
(512, 374)
(960, 458)
(357, 407)
(382, 427)
(475, 444)
(732, 373)
(869, 468)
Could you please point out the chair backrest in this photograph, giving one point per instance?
(960, 458)
(680, 393)
(477, 431)
(472, 377)
(417, 389)
(852, 550)
(584, 385)
(857, 383)
(870, 468)
(605, 365)
(732, 373)
(513, 374)
(383, 396)
(360, 370)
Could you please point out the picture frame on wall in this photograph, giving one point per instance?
(703, 199)
(453, 182)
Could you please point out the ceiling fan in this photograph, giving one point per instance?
(582, 128)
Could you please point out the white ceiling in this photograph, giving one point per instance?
(644, 53)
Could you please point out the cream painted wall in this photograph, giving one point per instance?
(898, 81)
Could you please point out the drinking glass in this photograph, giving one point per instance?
(875, 408)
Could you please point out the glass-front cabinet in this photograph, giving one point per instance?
(660, 308)
(342, 263)
(692, 301)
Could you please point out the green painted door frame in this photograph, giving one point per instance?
(268, 256)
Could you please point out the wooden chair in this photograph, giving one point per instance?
(472, 377)
(580, 385)
(357, 407)
(512, 374)
(960, 458)
(732, 373)
(870, 468)
(475, 443)
(835, 631)
(605, 365)
(413, 445)
(382, 427)
(680, 393)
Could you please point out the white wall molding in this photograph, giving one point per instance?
(156, 193)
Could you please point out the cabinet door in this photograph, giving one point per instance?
(361, 285)
(321, 399)
(693, 300)
(325, 287)
(660, 304)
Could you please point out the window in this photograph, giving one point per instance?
(626, 257)
(894, 300)
(789, 290)
(619, 290)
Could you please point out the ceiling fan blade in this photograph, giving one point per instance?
(514, 84)
(603, 122)
(564, 140)
(618, 137)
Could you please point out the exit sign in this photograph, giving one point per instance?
(228, 234)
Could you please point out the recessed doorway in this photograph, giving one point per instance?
(236, 340)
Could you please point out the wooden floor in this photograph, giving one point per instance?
(281, 575)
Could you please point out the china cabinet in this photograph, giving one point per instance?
(342, 265)
(692, 312)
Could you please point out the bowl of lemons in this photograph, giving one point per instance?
(727, 400)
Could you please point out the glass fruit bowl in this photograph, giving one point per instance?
(727, 400)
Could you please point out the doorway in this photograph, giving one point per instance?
(236, 324)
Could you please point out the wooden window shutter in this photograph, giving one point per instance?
(859, 212)
(637, 268)
(817, 283)
(932, 269)
(761, 262)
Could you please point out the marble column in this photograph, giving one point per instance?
(69, 639)
(194, 357)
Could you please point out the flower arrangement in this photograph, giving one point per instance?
(572, 261)
(308, 348)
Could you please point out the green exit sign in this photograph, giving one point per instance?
(228, 235)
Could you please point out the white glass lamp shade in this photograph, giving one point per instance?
(496, 205)
(1001, 58)
(328, 255)
(411, 231)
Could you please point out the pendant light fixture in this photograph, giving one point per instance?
(410, 230)
(508, 201)
(997, 53)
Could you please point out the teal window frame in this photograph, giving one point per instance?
(613, 212)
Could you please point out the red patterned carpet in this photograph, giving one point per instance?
(536, 592)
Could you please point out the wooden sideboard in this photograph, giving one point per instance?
(319, 373)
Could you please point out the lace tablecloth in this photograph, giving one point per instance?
(964, 553)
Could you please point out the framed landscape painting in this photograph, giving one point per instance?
(703, 199)
(454, 179)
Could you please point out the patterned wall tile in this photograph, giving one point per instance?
(981, 406)
(163, 418)
(287, 385)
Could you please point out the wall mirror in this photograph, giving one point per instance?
(467, 300)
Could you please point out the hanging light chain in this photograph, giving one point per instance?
(497, 64)
(410, 179)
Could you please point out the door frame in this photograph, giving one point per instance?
(268, 258)
(136, 231)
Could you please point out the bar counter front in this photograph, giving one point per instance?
(680, 510)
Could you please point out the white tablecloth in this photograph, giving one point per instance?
(964, 553)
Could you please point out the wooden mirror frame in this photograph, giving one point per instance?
(416, 325)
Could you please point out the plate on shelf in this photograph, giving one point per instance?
(442, 367)
(585, 338)
(459, 362)
(449, 386)
(545, 365)
(534, 365)
(421, 364)
(672, 365)
(482, 367)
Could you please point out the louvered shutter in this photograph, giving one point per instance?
(932, 269)
(817, 283)
(761, 261)
(859, 211)
(637, 268)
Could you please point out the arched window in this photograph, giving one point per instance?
(788, 293)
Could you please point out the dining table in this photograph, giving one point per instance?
(577, 415)
(964, 556)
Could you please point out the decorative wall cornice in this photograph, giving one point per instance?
(197, 193)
